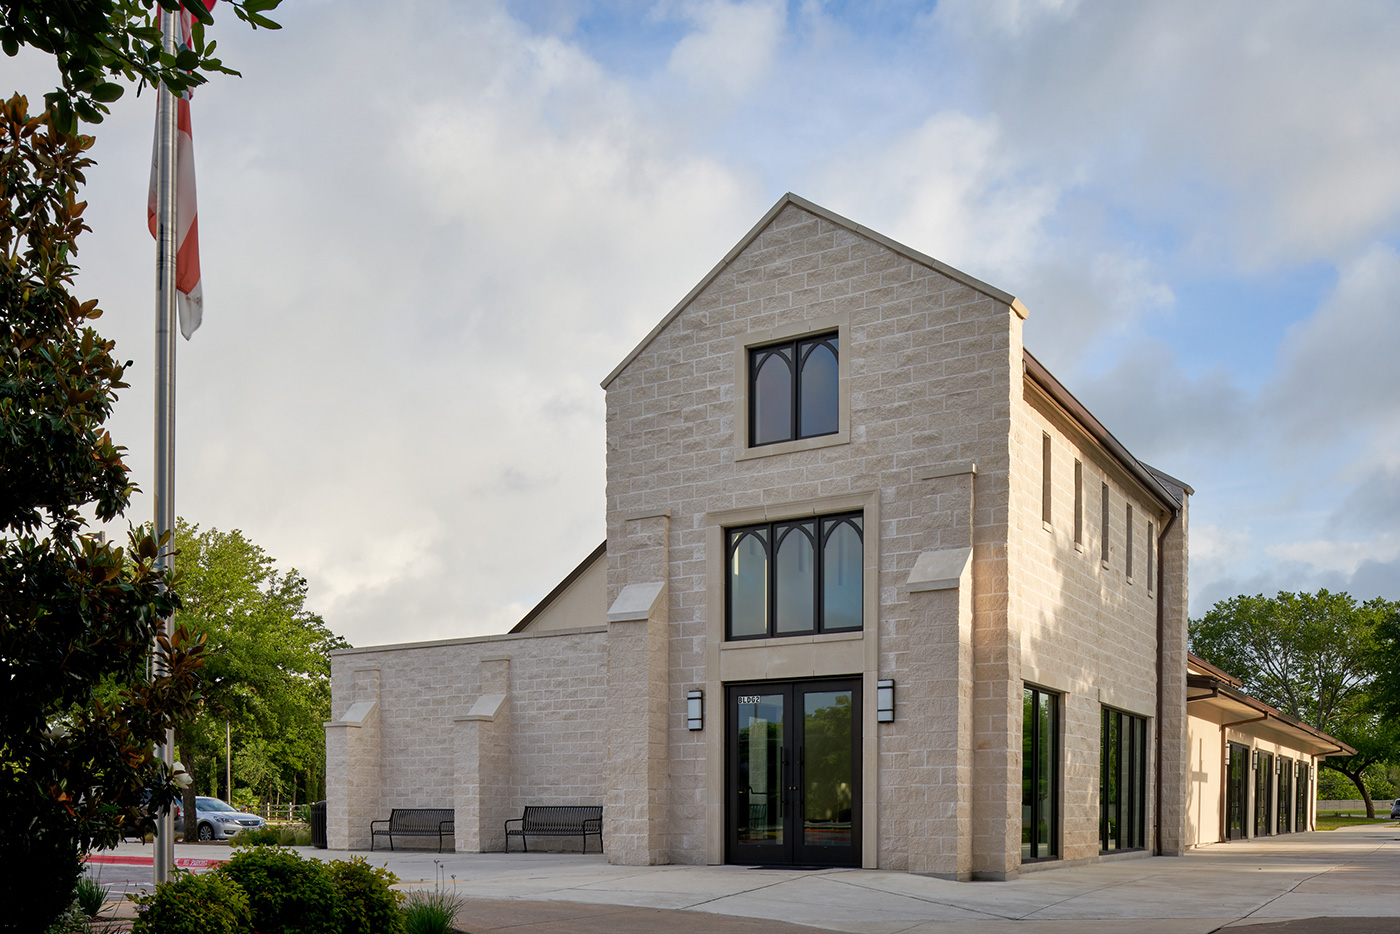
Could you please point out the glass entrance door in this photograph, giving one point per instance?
(1263, 792)
(793, 773)
(1236, 791)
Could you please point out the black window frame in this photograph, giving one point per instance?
(773, 532)
(1122, 771)
(1033, 745)
(798, 350)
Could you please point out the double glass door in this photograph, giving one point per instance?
(793, 773)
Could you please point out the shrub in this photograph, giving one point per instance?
(285, 892)
(89, 896)
(260, 836)
(188, 904)
(294, 835)
(366, 903)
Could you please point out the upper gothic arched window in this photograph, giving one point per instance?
(793, 390)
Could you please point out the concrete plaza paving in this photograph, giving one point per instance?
(1338, 882)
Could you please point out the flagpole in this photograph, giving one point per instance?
(166, 247)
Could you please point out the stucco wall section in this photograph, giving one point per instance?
(929, 365)
(581, 604)
(1205, 783)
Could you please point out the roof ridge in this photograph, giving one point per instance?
(810, 207)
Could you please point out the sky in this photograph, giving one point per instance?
(430, 228)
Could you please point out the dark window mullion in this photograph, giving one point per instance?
(797, 363)
(1117, 735)
(819, 577)
(1035, 773)
(773, 585)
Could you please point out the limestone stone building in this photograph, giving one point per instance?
(877, 591)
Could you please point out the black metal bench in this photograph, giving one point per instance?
(576, 820)
(414, 822)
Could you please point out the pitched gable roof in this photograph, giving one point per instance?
(834, 218)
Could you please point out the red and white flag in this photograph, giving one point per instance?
(189, 296)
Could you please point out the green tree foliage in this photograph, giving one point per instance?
(1314, 657)
(1386, 690)
(95, 43)
(76, 613)
(267, 672)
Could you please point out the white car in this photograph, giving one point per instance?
(217, 820)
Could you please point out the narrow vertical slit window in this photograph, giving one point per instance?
(1078, 502)
(1103, 526)
(1128, 548)
(1151, 554)
(1045, 478)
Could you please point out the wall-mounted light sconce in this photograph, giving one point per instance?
(884, 701)
(695, 710)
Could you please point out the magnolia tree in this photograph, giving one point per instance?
(79, 713)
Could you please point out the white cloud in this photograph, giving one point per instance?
(1262, 134)
(429, 230)
(732, 47)
(414, 286)
(1336, 372)
(1214, 543)
(1341, 556)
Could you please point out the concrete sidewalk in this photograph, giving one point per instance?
(1349, 878)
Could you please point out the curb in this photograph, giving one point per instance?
(182, 863)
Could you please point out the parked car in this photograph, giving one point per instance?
(217, 820)
(1395, 808)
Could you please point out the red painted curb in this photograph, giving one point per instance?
(185, 863)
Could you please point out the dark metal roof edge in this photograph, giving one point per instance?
(1219, 673)
(563, 585)
(1274, 714)
(1062, 396)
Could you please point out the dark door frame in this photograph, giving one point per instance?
(793, 850)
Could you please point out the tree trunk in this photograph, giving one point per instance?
(1360, 782)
